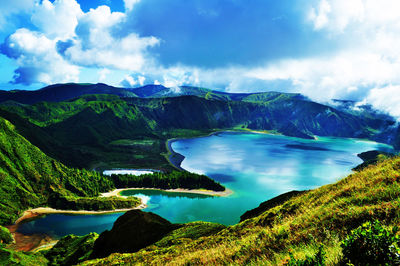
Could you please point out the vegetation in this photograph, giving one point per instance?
(92, 203)
(132, 231)
(147, 230)
(71, 249)
(296, 227)
(372, 244)
(62, 92)
(92, 131)
(318, 259)
(119, 130)
(5, 236)
(170, 180)
(371, 157)
(188, 232)
(10, 257)
(29, 178)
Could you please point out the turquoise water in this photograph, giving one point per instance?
(256, 167)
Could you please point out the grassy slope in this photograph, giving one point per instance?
(29, 178)
(324, 215)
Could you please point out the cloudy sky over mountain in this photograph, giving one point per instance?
(322, 48)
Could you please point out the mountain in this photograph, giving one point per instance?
(291, 228)
(88, 131)
(150, 90)
(29, 179)
(61, 92)
(64, 92)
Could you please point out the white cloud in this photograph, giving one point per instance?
(68, 38)
(339, 15)
(335, 76)
(319, 15)
(96, 45)
(57, 19)
(17, 6)
(361, 68)
(37, 59)
(130, 81)
(130, 3)
(365, 67)
(103, 74)
(386, 98)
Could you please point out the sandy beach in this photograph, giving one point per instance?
(32, 213)
(224, 193)
(39, 241)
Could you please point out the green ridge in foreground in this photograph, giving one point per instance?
(297, 226)
(29, 179)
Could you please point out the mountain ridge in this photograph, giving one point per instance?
(86, 127)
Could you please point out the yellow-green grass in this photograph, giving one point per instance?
(324, 215)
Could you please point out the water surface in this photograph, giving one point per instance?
(256, 167)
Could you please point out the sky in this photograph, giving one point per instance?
(324, 49)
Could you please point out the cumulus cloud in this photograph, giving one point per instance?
(366, 62)
(337, 15)
(37, 59)
(96, 46)
(36, 51)
(132, 81)
(67, 38)
(344, 75)
(57, 19)
(386, 98)
(363, 64)
(364, 15)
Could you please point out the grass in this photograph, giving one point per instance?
(71, 249)
(322, 216)
(131, 142)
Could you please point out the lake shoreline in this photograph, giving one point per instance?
(176, 159)
(225, 193)
(38, 241)
(33, 213)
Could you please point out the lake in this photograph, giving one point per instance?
(256, 167)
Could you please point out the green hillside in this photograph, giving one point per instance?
(62, 92)
(29, 178)
(84, 131)
(296, 227)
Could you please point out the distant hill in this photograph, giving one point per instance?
(82, 130)
(78, 123)
(62, 92)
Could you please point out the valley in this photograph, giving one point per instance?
(199, 140)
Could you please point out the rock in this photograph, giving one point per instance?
(131, 232)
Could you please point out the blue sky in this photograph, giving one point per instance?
(322, 48)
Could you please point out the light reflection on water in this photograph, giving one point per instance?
(256, 167)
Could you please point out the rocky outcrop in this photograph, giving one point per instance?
(132, 231)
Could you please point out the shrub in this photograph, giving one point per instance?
(5, 236)
(371, 244)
